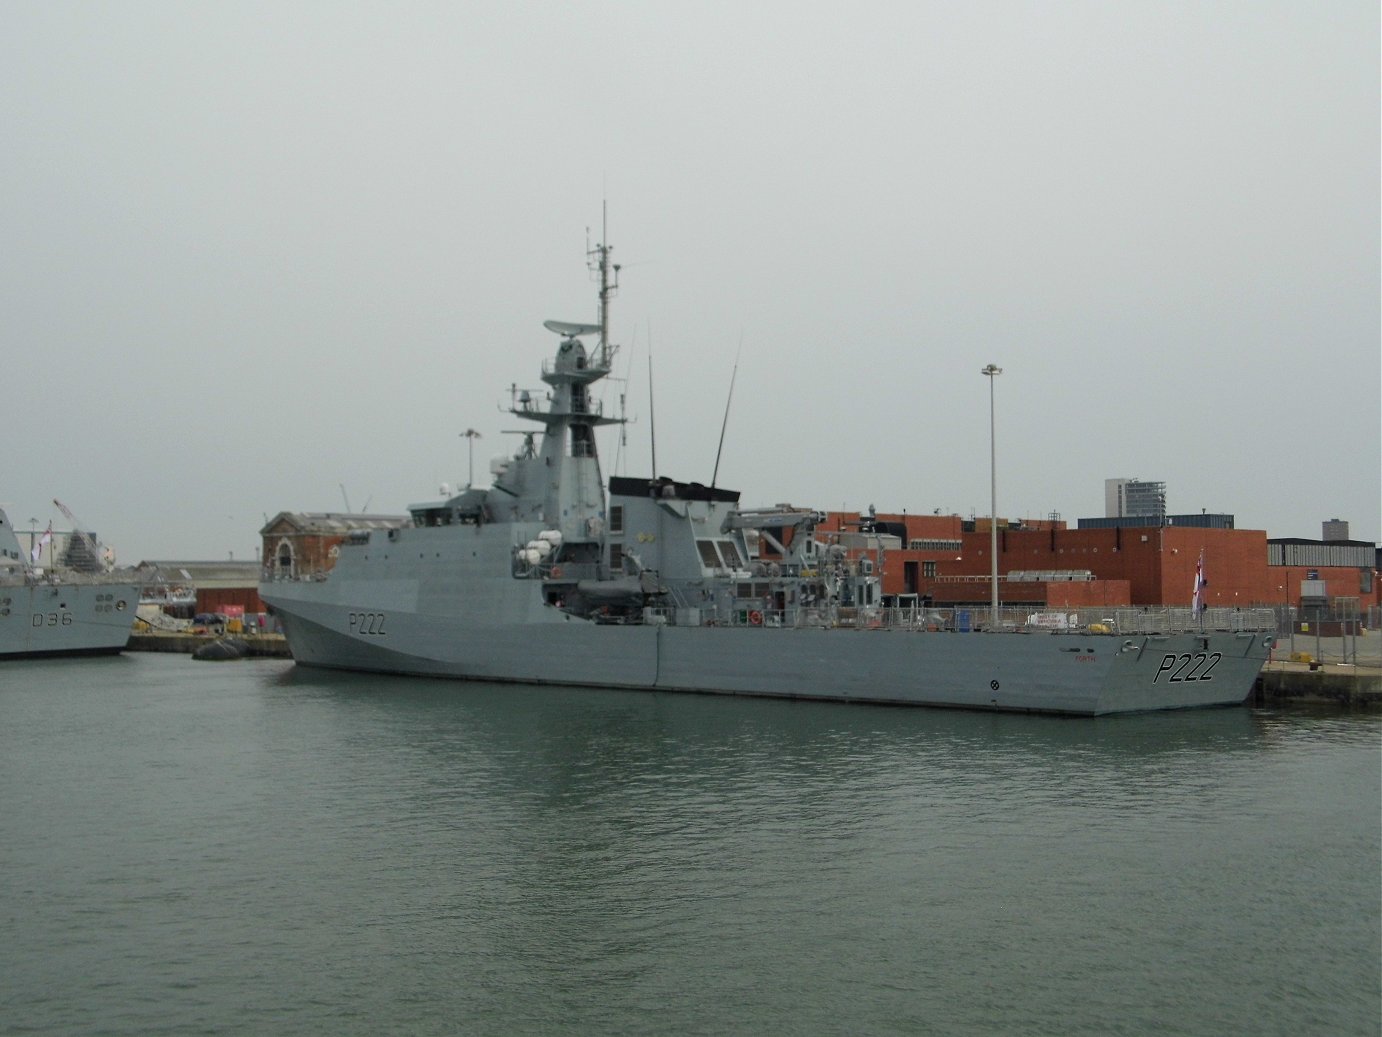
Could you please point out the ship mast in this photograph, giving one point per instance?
(600, 263)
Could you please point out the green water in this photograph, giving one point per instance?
(242, 848)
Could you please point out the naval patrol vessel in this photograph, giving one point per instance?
(544, 577)
(51, 611)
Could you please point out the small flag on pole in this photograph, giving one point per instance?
(1197, 599)
(47, 538)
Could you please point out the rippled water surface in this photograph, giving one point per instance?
(253, 848)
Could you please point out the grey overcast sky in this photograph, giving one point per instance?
(255, 253)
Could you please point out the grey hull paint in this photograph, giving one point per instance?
(49, 619)
(1082, 674)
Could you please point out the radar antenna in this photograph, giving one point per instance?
(568, 330)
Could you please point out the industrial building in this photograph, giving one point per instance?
(946, 559)
(184, 589)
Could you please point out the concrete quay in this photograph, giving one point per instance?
(1342, 683)
(273, 646)
(1342, 670)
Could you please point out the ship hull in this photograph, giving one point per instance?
(1065, 673)
(59, 619)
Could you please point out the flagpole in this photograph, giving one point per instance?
(992, 371)
(1197, 600)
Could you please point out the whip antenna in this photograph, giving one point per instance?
(652, 418)
(728, 400)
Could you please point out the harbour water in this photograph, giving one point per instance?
(252, 847)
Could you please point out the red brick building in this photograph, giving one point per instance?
(305, 543)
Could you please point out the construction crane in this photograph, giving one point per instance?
(89, 557)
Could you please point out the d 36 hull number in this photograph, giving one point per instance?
(368, 624)
(1188, 666)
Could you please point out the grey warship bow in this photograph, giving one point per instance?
(544, 578)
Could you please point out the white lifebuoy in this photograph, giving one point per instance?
(756, 618)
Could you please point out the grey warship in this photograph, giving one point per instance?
(50, 612)
(548, 577)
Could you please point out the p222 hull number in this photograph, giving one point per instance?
(367, 624)
(1188, 666)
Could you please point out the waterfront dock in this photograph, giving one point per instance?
(273, 646)
(1343, 670)
(1341, 683)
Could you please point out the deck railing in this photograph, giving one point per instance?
(70, 577)
(1121, 621)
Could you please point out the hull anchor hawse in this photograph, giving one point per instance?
(543, 577)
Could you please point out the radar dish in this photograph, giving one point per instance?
(570, 330)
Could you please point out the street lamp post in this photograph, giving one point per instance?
(1290, 617)
(471, 435)
(992, 371)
